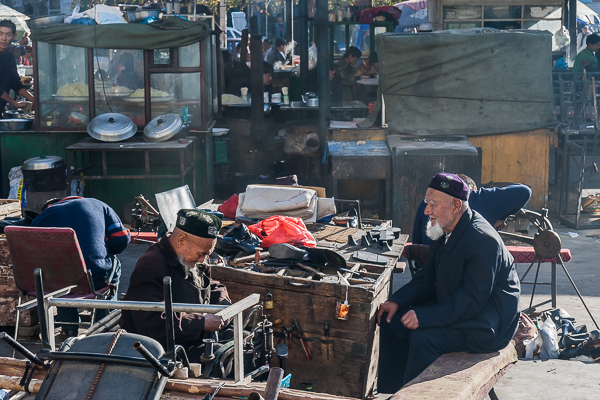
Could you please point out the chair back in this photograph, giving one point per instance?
(55, 250)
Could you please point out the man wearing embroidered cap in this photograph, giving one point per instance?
(182, 255)
(465, 298)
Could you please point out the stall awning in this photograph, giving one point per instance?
(172, 32)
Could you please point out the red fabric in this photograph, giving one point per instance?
(230, 205)
(152, 236)
(280, 229)
(367, 15)
(526, 255)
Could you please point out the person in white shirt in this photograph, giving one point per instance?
(582, 36)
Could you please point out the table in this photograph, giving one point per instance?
(356, 108)
(183, 147)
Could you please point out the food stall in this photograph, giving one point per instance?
(138, 70)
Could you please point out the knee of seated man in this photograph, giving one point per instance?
(424, 337)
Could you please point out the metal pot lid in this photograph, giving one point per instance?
(111, 127)
(163, 127)
(42, 163)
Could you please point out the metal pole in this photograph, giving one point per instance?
(256, 75)
(288, 20)
(323, 76)
(21, 349)
(169, 317)
(136, 305)
(151, 359)
(572, 31)
(223, 22)
(39, 293)
(303, 42)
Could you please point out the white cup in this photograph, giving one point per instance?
(276, 97)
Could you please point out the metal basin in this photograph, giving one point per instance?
(49, 20)
(15, 124)
(139, 16)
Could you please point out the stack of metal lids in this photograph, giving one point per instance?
(111, 127)
(163, 127)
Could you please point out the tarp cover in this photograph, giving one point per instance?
(468, 81)
(172, 32)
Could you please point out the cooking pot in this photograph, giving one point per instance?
(310, 99)
(45, 174)
(111, 127)
(15, 124)
(165, 127)
(139, 16)
(49, 20)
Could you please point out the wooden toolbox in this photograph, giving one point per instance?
(346, 366)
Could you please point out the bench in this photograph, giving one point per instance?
(460, 376)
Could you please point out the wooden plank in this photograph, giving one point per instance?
(239, 306)
(522, 157)
(344, 135)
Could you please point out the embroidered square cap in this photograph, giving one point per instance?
(451, 185)
(198, 223)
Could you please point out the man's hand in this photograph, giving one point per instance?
(585, 64)
(22, 104)
(410, 320)
(391, 307)
(212, 322)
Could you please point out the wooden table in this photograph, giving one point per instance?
(81, 152)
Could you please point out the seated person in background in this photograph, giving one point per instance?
(266, 49)
(373, 67)
(335, 86)
(586, 59)
(182, 255)
(101, 236)
(241, 77)
(278, 52)
(348, 73)
(466, 297)
(125, 74)
(494, 204)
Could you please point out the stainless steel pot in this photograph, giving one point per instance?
(49, 20)
(165, 127)
(45, 174)
(139, 16)
(111, 127)
(314, 102)
(15, 124)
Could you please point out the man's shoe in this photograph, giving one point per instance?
(571, 340)
(284, 251)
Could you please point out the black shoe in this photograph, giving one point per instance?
(571, 340)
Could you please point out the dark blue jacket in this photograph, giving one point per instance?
(99, 231)
(492, 203)
(468, 283)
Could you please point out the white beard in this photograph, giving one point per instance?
(186, 267)
(434, 232)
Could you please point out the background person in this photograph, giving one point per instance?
(9, 77)
(278, 52)
(348, 73)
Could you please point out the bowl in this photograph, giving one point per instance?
(15, 124)
(49, 20)
(139, 16)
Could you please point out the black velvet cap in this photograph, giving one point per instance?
(198, 223)
(451, 185)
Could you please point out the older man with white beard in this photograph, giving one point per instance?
(183, 256)
(466, 297)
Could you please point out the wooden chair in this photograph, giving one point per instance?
(56, 251)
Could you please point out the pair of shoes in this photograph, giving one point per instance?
(284, 251)
(570, 340)
(580, 350)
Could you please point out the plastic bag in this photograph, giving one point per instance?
(312, 57)
(280, 229)
(550, 347)
(230, 205)
(236, 240)
(104, 14)
(76, 15)
(83, 21)
(17, 186)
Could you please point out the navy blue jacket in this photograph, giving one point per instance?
(492, 203)
(468, 283)
(99, 231)
(9, 77)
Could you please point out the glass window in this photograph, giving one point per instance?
(542, 12)
(545, 25)
(119, 83)
(462, 12)
(502, 12)
(63, 86)
(162, 57)
(502, 24)
(339, 40)
(189, 56)
(170, 92)
(208, 76)
(462, 25)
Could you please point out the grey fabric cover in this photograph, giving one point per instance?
(172, 32)
(466, 82)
